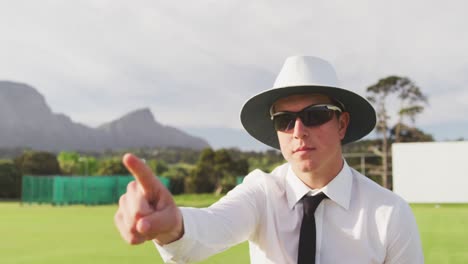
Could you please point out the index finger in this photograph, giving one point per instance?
(143, 175)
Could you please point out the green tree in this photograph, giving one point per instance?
(177, 174)
(72, 163)
(202, 178)
(215, 171)
(10, 180)
(69, 162)
(241, 167)
(223, 170)
(112, 166)
(410, 134)
(411, 103)
(159, 167)
(89, 165)
(38, 163)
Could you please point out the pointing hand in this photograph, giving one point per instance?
(147, 210)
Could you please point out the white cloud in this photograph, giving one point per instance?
(96, 60)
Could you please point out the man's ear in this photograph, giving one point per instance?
(343, 123)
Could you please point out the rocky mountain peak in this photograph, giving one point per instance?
(27, 121)
(143, 115)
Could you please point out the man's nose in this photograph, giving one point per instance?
(299, 129)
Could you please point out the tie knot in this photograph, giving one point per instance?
(310, 203)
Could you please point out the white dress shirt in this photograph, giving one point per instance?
(361, 222)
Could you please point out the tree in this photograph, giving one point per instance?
(241, 167)
(411, 103)
(159, 167)
(69, 162)
(215, 171)
(89, 165)
(227, 169)
(72, 163)
(10, 180)
(38, 163)
(410, 134)
(112, 166)
(177, 174)
(223, 168)
(202, 178)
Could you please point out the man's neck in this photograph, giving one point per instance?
(320, 177)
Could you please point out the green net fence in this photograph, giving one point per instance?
(68, 190)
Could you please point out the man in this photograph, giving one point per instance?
(313, 209)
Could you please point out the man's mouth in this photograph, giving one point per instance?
(303, 148)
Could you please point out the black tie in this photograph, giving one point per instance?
(307, 238)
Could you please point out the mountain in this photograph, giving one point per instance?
(221, 137)
(27, 121)
(127, 132)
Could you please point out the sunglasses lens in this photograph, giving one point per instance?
(284, 122)
(316, 117)
(309, 117)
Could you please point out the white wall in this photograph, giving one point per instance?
(433, 172)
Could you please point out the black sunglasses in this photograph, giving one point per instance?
(312, 115)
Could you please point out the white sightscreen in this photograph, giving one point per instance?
(434, 172)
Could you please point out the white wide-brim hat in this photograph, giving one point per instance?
(306, 75)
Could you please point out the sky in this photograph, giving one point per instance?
(194, 63)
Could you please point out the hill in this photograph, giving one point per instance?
(26, 121)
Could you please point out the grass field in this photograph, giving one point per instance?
(80, 234)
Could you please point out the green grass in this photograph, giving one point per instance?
(80, 234)
(196, 200)
(41, 234)
(444, 232)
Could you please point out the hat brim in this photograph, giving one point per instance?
(255, 116)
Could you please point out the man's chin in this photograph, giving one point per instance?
(306, 167)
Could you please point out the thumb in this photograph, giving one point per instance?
(145, 178)
(165, 226)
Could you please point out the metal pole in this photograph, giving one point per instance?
(363, 164)
(86, 168)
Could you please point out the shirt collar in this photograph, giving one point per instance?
(338, 189)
